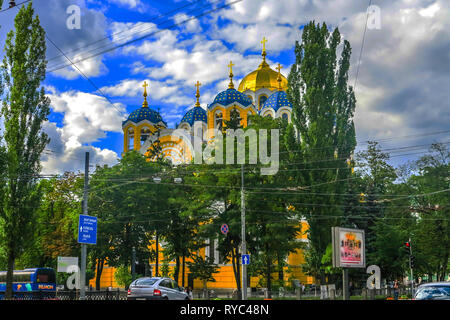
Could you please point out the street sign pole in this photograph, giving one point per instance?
(83, 245)
(410, 268)
(345, 289)
(244, 249)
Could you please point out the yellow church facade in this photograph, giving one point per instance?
(262, 92)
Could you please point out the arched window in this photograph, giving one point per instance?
(218, 120)
(130, 134)
(262, 100)
(285, 117)
(145, 133)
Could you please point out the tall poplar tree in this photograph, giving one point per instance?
(323, 108)
(24, 109)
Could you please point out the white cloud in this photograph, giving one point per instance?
(137, 5)
(87, 117)
(90, 68)
(134, 88)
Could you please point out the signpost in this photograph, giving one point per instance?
(349, 250)
(245, 259)
(87, 229)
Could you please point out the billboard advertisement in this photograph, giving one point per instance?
(348, 248)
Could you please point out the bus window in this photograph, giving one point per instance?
(42, 278)
(45, 276)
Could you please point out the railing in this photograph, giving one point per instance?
(93, 295)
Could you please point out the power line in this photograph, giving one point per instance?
(84, 75)
(150, 34)
(135, 26)
(362, 46)
(23, 2)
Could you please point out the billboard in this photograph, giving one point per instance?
(348, 248)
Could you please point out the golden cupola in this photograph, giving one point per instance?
(263, 77)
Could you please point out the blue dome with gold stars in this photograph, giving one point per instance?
(276, 101)
(195, 114)
(145, 113)
(232, 95)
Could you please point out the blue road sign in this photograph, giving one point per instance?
(245, 259)
(87, 229)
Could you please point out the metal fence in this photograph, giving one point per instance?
(93, 295)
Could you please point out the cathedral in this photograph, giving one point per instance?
(261, 92)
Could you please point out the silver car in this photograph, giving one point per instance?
(156, 288)
(433, 291)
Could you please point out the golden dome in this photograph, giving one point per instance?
(263, 77)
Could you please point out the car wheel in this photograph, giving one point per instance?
(187, 298)
(166, 298)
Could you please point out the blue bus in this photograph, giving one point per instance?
(33, 283)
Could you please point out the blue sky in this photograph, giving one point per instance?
(402, 88)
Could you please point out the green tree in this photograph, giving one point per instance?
(377, 179)
(122, 197)
(323, 108)
(272, 222)
(187, 214)
(55, 227)
(204, 270)
(431, 235)
(24, 109)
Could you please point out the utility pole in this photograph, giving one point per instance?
(411, 268)
(244, 249)
(133, 264)
(83, 245)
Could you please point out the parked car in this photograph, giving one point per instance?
(433, 291)
(156, 288)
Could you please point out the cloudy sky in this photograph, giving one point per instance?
(402, 88)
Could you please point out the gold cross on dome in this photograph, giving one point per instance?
(279, 67)
(264, 40)
(197, 95)
(145, 103)
(231, 66)
(145, 85)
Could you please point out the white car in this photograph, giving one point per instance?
(156, 288)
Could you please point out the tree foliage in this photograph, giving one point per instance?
(24, 109)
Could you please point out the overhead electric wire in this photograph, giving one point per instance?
(148, 35)
(362, 47)
(85, 76)
(18, 4)
(190, 3)
(142, 31)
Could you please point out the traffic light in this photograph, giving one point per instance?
(407, 247)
